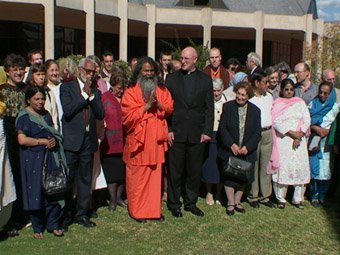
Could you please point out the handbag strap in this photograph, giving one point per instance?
(45, 161)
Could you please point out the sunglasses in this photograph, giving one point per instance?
(89, 71)
(284, 71)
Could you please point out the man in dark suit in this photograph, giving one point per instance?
(81, 104)
(190, 127)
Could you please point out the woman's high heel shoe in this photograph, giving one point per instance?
(230, 212)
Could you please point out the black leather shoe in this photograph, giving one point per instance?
(254, 204)
(176, 213)
(268, 204)
(86, 222)
(195, 211)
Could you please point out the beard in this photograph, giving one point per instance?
(147, 85)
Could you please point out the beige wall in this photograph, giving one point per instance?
(104, 15)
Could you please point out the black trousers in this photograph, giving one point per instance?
(185, 168)
(80, 175)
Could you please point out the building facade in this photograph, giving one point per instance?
(276, 31)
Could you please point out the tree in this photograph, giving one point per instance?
(327, 54)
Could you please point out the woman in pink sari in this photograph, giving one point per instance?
(289, 161)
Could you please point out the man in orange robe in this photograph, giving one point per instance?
(144, 107)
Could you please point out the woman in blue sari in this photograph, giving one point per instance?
(36, 136)
(323, 110)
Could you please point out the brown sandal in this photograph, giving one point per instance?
(57, 232)
(38, 236)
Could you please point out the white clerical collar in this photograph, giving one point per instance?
(190, 72)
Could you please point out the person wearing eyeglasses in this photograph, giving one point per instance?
(232, 66)
(289, 163)
(305, 89)
(284, 71)
(81, 103)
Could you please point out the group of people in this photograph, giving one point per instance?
(282, 123)
(159, 133)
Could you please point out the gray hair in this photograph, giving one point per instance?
(255, 58)
(217, 83)
(68, 65)
(271, 69)
(324, 72)
(83, 60)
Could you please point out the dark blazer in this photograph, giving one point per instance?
(72, 121)
(194, 117)
(258, 69)
(228, 130)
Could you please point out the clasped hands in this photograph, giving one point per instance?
(87, 87)
(239, 151)
(152, 102)
(297, 137)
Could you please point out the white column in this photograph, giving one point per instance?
(123, 29)
(49, 28)
(89, 9)
(151, 19)
(206, 21)
(258, 21)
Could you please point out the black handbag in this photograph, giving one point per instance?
(54, 181)
(239, 169)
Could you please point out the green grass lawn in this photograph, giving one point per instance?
(259, 231)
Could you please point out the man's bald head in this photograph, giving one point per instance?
(188, 58)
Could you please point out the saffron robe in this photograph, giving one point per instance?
(146, 137)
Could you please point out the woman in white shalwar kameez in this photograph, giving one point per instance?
(291, 121)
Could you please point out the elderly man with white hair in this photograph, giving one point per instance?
(253, 63)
